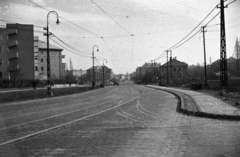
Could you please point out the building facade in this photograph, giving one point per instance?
(148, 73)
(99, 74)
(17, 52)
(40, 60)
(174, 72)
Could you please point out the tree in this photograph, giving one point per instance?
(70, 64)
(237, 53)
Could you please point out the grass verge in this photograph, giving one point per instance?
(40, 93)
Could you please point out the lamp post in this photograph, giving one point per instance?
(81, 76)
(103, 72)
(49, 88)
(93, 79)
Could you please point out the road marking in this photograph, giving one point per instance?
(149, 113)
(58, 115)
(61, 125)
(126, 116)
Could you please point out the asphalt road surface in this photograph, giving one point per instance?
(125, 120)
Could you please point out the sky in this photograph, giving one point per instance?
(128, 33)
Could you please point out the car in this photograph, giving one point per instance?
(116, 83)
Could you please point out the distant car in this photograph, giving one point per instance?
(116, 83)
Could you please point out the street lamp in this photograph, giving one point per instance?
(81, 77)
(49, 90)
(93, 79)
(103, 72)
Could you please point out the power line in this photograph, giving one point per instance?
(108, 47)
(69, 49)
(173, 47)
(71, 46)
(110, 17)
(194, 28)
(66, 19)
(187, 6)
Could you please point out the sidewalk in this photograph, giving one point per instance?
(208, 106)
(8, 90)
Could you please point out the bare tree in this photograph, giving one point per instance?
(237, 53)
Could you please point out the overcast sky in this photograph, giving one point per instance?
(128, 33)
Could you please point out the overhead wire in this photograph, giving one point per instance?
(69, 49)
(177, 44)
(193, 28)
(66, 19)
(110, 17)
(86, 53)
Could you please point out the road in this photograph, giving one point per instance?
(125, 120)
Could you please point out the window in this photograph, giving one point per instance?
(36, 68)
(1, 37)
(174, 69)
(36, 59)
(1, 61)
(179, 69)
(42, 68)
(41, 59)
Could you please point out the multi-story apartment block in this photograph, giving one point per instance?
(23, 56)
(40, 60)
(16, 52)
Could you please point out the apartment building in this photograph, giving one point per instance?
(40, 60)
(16, 52)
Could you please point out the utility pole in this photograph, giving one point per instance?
(167, 69)
(93, 79)
(152, 71)
(210, 67)
(205, 66)
(170, 66)
(140, 75)
(49, 88)
(103, 72)
(81, 76)
(223, 55)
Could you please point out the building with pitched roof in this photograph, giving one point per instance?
(175, 71)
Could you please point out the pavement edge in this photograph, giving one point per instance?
(179, 109)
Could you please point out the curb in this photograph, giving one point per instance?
(179, 109)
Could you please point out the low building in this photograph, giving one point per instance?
(175, 72)
(99, 74)
(149, 72)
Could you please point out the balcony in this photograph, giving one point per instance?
(13, 55)
(13, 67)
(12, 31)
(36, 49)
(12, 43)
(36, 62)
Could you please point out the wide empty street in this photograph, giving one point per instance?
(125, 120)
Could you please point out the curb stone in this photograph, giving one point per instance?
(179, 109)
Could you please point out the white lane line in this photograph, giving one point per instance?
(61, 125)
(127, 117)
(149, 113)
(29, 113)
(58, 115)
